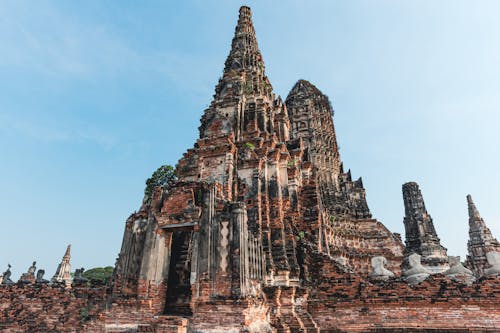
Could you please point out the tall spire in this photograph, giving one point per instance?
(481, 241)
(421, 236)
(244, 103)
(244, 70)
(245, 53)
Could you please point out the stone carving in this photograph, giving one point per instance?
(32, 269)
(79, 278)
(224, 242)
(494, 261)
(39, 276)
(29, 276)
(416, 272)
(421, 236)
(6, 276)
(458, 272)
(379, 272)
(480, 242)
(63, 272)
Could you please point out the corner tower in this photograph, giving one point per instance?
(481, 241)
(421, 236)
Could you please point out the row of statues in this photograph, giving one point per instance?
(416, 272)
(30, 277)
(62, 275)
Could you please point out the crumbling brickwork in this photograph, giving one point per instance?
(481, 241)
(421, 236)
(264, 231)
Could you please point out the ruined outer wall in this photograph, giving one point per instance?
(339, 300)
(46, 308)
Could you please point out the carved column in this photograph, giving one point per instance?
(239, 249)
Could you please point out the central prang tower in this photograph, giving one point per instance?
(262, 190)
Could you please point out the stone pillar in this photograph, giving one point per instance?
(239, 249)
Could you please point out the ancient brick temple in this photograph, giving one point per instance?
(265, 231)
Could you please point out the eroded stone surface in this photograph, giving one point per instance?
(379, 272)
(263, 231)
(421, 236)
(63, 272)
(481, 241)
(415, 273)
(458, 272)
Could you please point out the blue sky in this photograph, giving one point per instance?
(95, 95)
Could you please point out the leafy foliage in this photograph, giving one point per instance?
(250, 145)
(163, 176)
(99, 273)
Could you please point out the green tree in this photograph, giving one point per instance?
(163, 176)
(99, 273)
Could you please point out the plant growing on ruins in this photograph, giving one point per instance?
(248, 87)
(301, 235)
(250, 146)
(84, 314)
(163, 176)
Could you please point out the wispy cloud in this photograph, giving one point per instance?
(52, 42)
(54, 133)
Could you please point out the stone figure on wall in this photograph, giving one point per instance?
(494, 261)
(78, 273)
(379, 272)
(32, 269)
(79, 278)
(39, 276)
(29, 276)
(458, 272)
(6, 276)
(416, 273)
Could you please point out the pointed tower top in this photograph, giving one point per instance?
(63, 272)
(245, 53)
(304, 89)
(244, 70)
(473, 212)
(67, 254)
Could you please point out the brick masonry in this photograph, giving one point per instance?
(265, 231)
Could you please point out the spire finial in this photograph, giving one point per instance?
(245, 53)
(473, 212)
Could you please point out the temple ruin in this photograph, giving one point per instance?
(264, 230)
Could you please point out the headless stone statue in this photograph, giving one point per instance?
(416, 273)
(493, 259)
(39, 276)
(458, 272)
(6, 276)
(379, 272)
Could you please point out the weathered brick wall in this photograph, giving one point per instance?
(336, 302)
(49, 308)
(339, 300)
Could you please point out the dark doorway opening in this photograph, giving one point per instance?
(179, 273)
